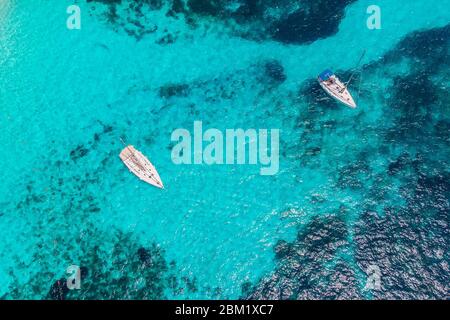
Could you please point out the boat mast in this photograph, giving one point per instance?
(357, 65)
(123, 142)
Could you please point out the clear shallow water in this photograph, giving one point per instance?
(67, 97)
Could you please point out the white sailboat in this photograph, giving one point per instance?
(336, 88)
(138, 164)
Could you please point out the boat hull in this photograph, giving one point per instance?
(140, 166)
(337, 90)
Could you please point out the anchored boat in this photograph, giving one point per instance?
(335, 88)
(140, 166)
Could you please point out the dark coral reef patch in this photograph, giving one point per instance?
(315, 20)
(280, 20)
(274, 70)
(127, 272)
(304, 270)
(409, 248)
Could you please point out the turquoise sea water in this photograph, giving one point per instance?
(355, 187)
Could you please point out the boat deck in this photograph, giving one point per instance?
(335, 88)
(139, 165)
